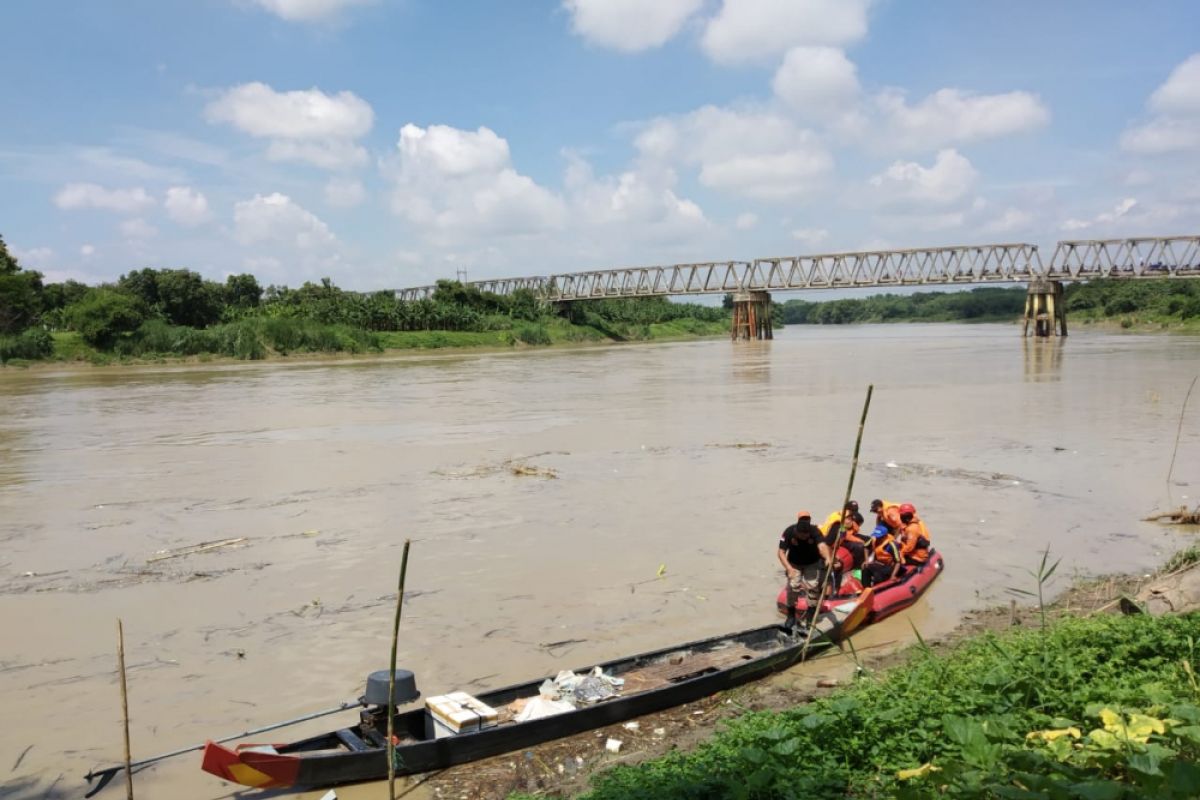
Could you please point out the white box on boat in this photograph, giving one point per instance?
(459, 712)
(487, 715)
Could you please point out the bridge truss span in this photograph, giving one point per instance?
(1146, 257)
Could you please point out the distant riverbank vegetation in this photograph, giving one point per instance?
(1160, 302)
(152, 313)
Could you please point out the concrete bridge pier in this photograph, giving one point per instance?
(1044, 307)
(751, 316)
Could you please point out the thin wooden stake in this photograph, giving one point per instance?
(391, 726)
(837, 542)
(124, 707)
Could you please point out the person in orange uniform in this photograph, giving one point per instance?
(887, 513)
(887, 558)
(851, 550)
(914, 536)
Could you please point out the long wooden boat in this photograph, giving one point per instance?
(888, 597)
(652, 682)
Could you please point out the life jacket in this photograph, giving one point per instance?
(914, 542)
(880, 517)
(887, 552)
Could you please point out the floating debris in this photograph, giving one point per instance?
(203, 547)
(1182, 516)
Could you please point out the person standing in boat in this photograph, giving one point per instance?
(914, 536)
(805, 556)
(886, 558)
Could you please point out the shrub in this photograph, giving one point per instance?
(104, 316)
(532, 334)
(32, 344)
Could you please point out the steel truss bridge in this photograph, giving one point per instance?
(1148, 257)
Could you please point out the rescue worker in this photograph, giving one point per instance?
(886, 558)
(851, 550)
(914, 536)
(805, 556)
(887, 513)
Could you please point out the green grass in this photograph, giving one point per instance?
(973, 716)
(1183, 558)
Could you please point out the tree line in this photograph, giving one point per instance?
(1161, 300)
(177, 311)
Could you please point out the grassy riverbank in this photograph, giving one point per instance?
(262, 340)
(1096, 706)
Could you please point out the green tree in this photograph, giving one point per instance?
(242, 291)
(104, 316)
(142, 284)
(20, 294)
(185, 298)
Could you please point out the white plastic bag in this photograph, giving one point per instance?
(539, 707)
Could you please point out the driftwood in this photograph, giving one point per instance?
(203, 547)
(1180, 517)
(1177, 593)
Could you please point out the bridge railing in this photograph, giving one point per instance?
(1147, 257)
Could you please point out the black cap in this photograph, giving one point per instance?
(876, 505)
(852, 505)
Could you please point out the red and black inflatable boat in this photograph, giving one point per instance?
(889, 597)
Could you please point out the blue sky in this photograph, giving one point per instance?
(388, 143)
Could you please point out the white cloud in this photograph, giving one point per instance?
(75, 196)
(745, 221)
(1011, 220)
(640, 203)
(948, 179)
(259, 110)
(451, 180)
(87, 250)
(331, 155)
(758, 154)
(755, 30)
(186, 206)
(307, 10)
(1180, 95)
(1162, 135)
(629, 25)
(343, 193)
(810, 237)
(303, 125)
(127, 167)
(277, 219)
(1120, 210)
(138, 228)
(951, 115)
(1176, 128)
(817, 82)
(33, 258)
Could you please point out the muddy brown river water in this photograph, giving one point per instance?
(680, 458)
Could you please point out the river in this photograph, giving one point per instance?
(658, 477)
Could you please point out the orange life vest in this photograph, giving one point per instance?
(914, 542)
(886, 550)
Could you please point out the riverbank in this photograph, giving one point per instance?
(71, 350)
(966, 711)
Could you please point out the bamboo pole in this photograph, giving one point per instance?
(842, 527)
(124, 707)
(391, 726)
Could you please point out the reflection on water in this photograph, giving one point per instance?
(1043, 357)
(644, 516)
(751, 361)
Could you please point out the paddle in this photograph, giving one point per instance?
(105, 775)
(837, 542)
